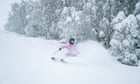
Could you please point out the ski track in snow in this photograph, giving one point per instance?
(26, 60)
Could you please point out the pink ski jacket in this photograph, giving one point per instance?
(70, 47)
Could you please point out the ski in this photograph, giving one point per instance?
(63, 61)
(56, 60)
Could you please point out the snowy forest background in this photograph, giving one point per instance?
(114, 23)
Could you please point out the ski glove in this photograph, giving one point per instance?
(60, 49)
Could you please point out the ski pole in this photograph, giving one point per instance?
(56, 51)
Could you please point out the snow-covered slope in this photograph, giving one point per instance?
(27, 61)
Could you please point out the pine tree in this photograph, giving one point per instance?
(35, 21)
(124, 39)
(17, 17)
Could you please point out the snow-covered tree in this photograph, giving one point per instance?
(128, 6)
(137, 8)
(17, 17)
(126, 32)
(69, 23)
(51, 10)
(35, 21)
(77, 4)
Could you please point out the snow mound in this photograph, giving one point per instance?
(27, 61)
(93, 53)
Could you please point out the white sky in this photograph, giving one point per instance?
(4, 10)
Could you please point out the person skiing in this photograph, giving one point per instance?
(71, 48)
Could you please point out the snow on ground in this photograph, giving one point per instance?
(25, 60)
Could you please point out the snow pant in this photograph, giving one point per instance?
(64, 54)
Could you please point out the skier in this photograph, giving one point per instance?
(71, 47)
